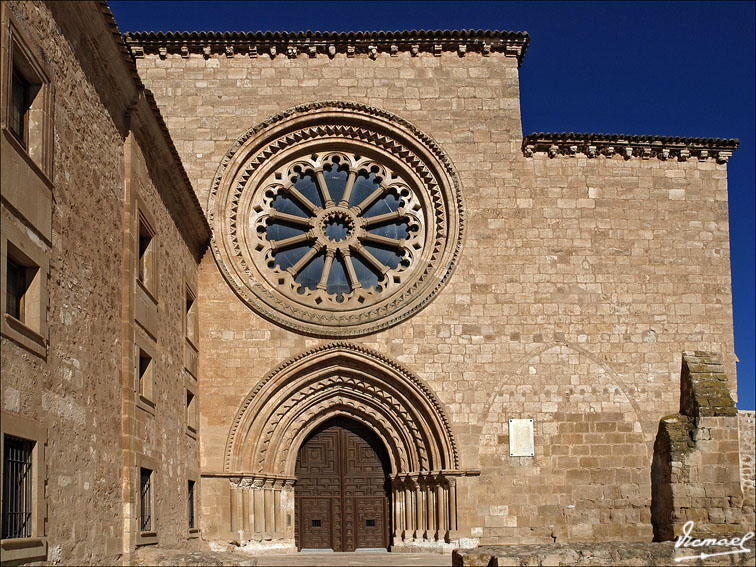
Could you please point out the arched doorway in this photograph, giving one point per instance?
(342, 488)
(311, 390)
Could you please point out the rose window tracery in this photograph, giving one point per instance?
(338, 227)
(336, 219)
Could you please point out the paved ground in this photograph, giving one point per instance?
(338, 559)
(152, 556)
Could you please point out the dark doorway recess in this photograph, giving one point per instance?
(342, 488)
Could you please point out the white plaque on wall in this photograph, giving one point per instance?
(521, 438)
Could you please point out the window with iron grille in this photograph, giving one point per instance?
(17, 487)
(145, 500)
(190, 503)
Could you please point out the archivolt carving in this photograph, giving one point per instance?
(259, 206)
(340, 379)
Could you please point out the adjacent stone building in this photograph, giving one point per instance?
(413, 328)
(101, 242)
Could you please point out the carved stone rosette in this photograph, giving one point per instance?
(336, 219)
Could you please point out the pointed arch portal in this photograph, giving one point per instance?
(342, 380)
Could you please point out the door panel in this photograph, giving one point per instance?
(317, 525)
(345, 465)
(370, 522)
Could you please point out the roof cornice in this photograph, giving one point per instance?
(313, 44)
(190, 220)
(645, 147)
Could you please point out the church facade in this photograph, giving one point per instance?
(312, 290)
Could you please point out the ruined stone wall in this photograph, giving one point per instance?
(696, 467)
(581, 282)
(747, 477)
(612, 553)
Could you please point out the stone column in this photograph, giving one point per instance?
(268, 503)
(257, 496)
(440, 509)
(410, 512)
(452, 495)
(237, 507)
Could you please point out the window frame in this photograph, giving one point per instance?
(23, 106)
(192, 415)
(191, 317)
(146, 261)
(146, 537)
(34, 547)
(16, 246)
(144, 383)
(19, 59)
(21, 492)
(192, 477)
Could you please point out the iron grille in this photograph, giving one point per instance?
(190, 503)
(145, 500)
(17, 487)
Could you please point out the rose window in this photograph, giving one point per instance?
(338, 228)
(336, 219)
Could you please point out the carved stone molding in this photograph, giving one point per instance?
(643, 147)
(461, 42)
(340, 379)
(269, 164)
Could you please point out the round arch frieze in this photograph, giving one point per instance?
(336, 219)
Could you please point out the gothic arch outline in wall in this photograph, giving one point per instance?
(343, 379)
(590, 443)
(265, 166)
(521, 365)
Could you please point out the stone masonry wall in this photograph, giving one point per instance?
(75, 390)
(580, 284)
(612, 553)
(159, 431)
(747, 477)
(696, 469)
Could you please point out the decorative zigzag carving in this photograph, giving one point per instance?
(379, 369)
(419, 287)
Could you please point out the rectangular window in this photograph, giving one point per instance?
(145, 500)
(19, 107)
(190, 503)
(145, 374)
(191, 411)
(15, 289)
(192, 327)
(23, 288)
(146, 268)
(17, 487)
(27, 99)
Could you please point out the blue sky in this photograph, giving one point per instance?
(666, 68)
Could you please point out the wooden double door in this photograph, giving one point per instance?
(342, 489)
